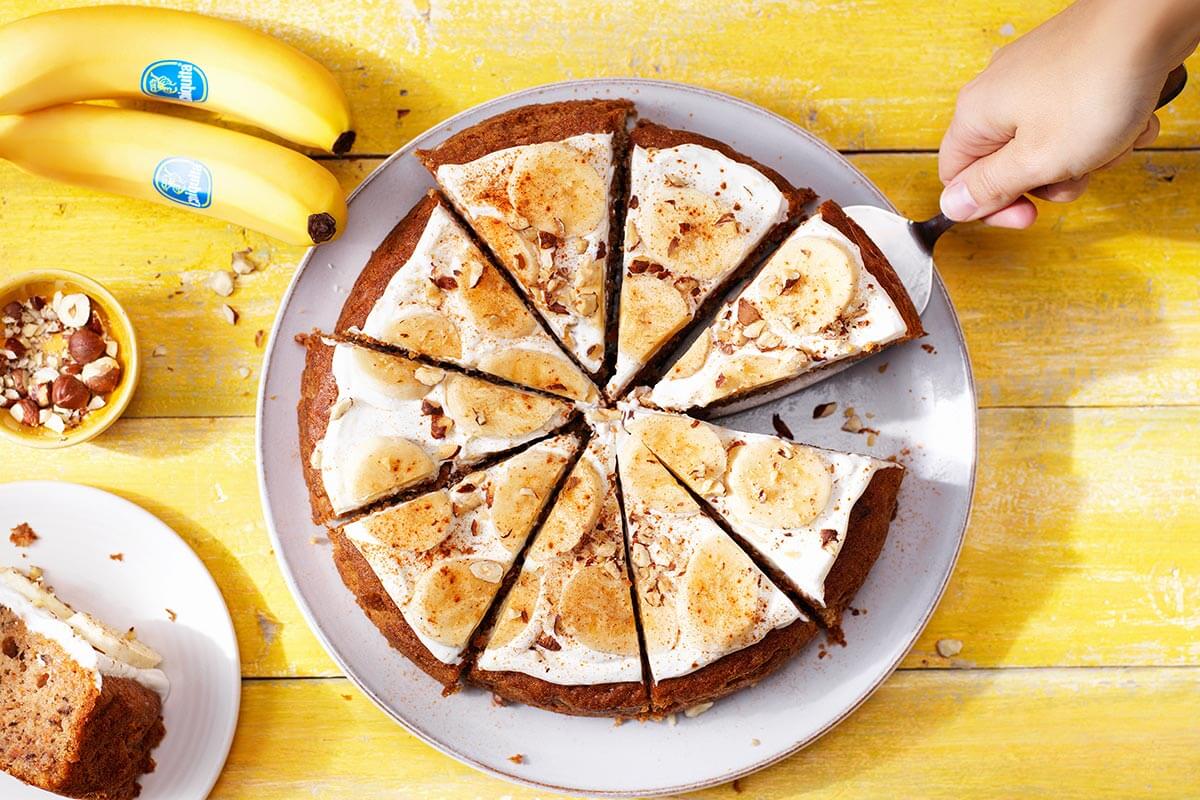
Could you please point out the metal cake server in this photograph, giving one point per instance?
(909, 245)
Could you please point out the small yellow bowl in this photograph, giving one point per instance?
(46, 282)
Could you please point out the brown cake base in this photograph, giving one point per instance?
(61, 734)
(362, 582)
(606, 699)
(318, 393)
(744, 668)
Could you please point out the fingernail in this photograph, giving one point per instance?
(957, 203)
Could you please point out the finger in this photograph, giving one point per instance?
(994, 182)
(1064, 191)
(1020, 214)
(965, 143)
(1150, 133)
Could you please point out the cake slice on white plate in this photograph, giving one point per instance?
(565, 638)
(827, 296)
(373, 424)
(818, 517)
(427, 570)
(699, 213)
(539, 185)
(428, 290)
(712, 621)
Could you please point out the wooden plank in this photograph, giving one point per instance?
(1094, 733)
(861, 75)
(1097, 305)
(1082, 549)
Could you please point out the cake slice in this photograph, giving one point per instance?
(711, 620)
(827, 295)
(538, 184)
(565, 638)
(80, 704)
(373, 424)
(427, 570)
(818, 517)
(699, 214)
(429, 290)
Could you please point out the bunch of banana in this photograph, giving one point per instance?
(49, 62)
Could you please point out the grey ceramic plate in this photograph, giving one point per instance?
(923, 405)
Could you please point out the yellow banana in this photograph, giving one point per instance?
(110, 52)
(177, 162)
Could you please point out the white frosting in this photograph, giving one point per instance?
(688, 532)
(372, 413)
(878, 322)
(473, 536)
(575, 663)
(42, 622)
(410, 293)
(463, 184)
(753, 199)
(798, 552)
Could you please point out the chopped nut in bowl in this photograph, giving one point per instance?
(68, 359)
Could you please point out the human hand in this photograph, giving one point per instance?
(1072, 96)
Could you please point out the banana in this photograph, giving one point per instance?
(112, 643)
(450, 600)
(495, 306)
(778, 484)
(651, 312)
(691, 234)
(689, 448)
(385, 464)
(111, 52)
(645, 479)
(35, 593)
(519, 493)
(749, 372)
(179, 163)
(722, 590)
(485, 409)
(518, 609)
(416, 526)
(597, 610)
(575, 512)
(691, 361)
(807, 283)
(380, 377)
(555, 184)
(428, 334)
(541, 371)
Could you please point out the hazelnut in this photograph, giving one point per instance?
(102, 375)
(94, 324)
(25, 412)
(69, 392)
(13, 345)
(85, 345)
(75, 310)
(13, 310)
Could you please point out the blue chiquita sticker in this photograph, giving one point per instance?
(184, 181)
(173, 79)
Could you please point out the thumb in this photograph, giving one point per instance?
(992, 183)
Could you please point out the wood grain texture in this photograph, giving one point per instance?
(1097, 305)
(1081, 550)
(1060, 733)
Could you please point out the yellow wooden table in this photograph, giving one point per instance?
(1077, 597)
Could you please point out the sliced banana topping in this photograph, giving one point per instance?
(691, 233)
(386, 464)
(518, 608)
(749, 372)
(113, 643)
(688, 447)
(520, 492)
(644, 476)
(723, 591)
(778, 484)
(35, 593)
(417, 526)
(450, 601)
(575, 512)
(808, 283)
(485, 409)
(496, 308)
(652, 311)
(596, 608)
(432, 335)
(390, 376)
(556, 189)
(692, 360)
(541, 371)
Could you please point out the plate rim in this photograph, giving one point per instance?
(417, 141)
(137, 509)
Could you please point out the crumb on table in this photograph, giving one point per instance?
(23, 535)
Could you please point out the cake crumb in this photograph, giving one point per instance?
(347, 697)
(117, 556)
(755, 742)
(781, 427)
(823, 410)
(672, 720)
(737, 786)
(517, 758)
(618, 722)
(928, 348)
(883, 367)
(317, 540)
(23, 535)
(259, 336)
(171, 615)
(498, 701)
(696, 710)
(948, 648)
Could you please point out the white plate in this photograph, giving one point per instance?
(924, 402)
(79, 528)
